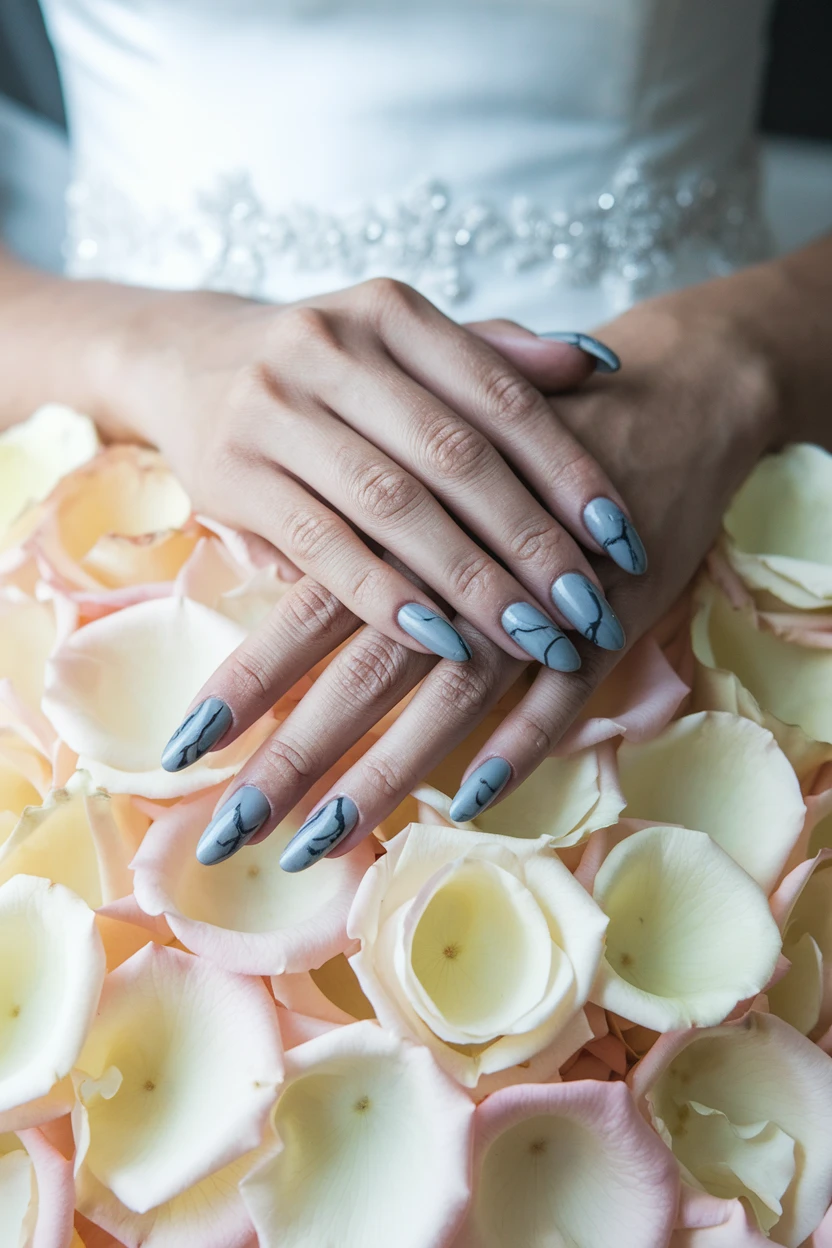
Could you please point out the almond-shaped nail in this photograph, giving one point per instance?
(540, 637)
(197, 734)
(606, 522)
(606, 361)
(233, 826)
(480, 790)
(587, 610)
(320, 834)
(436, 634)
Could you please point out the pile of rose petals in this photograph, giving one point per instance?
(600, 1015)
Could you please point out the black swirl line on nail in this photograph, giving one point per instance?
(326, 839)
(240, 833)
(591, 631)
(624, 536)
(194, 750)
(492, 793)
(541, 628)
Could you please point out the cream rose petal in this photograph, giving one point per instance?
(117, 689)
(28, 636)
(705, 1221)
(51, 972)
(213, 577)
(760, 1090)
(35, 454)
(779, 527)
(176, 1078)
(37, 1194)
(690, 934)
(803, 905)
(246, 914)
(569, 1164)
(73, 839)
(373, 1148)
(724, 775)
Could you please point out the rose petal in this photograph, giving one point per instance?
(690, 934)
(35, 454)
(779, 527)
(151, 658)
(757, 1070)
(176, 1078)
(330, 993)
(374, 1148)
(246, 914)
(803, 906)
(724, 775)
(37, 1194)
(51, 971)
(213, 577)
(569, 1163)
(707, 1222)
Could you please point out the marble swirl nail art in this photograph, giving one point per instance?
(432, 631)
(320, 834)
(233, 825)
(197, 733)
(480, 790)
(616, 534)
(540, 637)
(606, 361)
(587, 610)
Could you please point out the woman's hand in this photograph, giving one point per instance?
(367, 421)
(694, 407)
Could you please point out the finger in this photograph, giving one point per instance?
(321, 543)
(457, 464)
(552, 365)
(358, 688)
(468, 375)
(448, 705)
(304, 626)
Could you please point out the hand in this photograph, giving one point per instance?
(692, 411)
(366, 420)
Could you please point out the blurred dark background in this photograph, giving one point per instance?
(797, 101)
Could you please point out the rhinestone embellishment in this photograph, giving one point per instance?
(635, 231)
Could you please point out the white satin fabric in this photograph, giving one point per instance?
(200, 128)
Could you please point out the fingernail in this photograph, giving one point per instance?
(480, 790)
(432, 631)
(233, 825)
(612, 530)
(196, 734)
(587, 610)
(321, 833)
(540, 637)
(606, 361)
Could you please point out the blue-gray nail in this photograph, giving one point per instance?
(606, 361)
(432, 631)
(197, 733)
(480, 790)
(611, 529)
(540, 637)
(233, 825)
(587, 610)
(320, 834)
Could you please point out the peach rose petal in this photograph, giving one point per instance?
(246, 914)
(331, 993)
(28, 636)
(803, 906)
(724, 775)
(25, 776)
(37, 1194)
(176, 1078)
(705, 1221)
(746, 1109)
(35, 454)
(73, 839)
(117, 689)
(51, 972)
(213, 577)
(690, 934)
(373, 1148)
(570, 1163)
(779, 527)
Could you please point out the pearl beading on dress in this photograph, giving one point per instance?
(634, 231)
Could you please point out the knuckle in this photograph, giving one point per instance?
(510, 398)
(386, 295)
(302, 326)
(372, 671)
(310, 535)
(315, 609)
(473, 576)
(387, 494)
(287, 764)
(383, 776)
(530, 540)
(464, 693)
(569, 471)
(455, 451)
(537, 733)
(250, 677)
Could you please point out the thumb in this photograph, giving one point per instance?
(551, 362)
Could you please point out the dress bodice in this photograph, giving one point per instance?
(523, 157)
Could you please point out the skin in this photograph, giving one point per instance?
(712, 378)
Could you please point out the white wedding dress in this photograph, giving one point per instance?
(547, 160)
